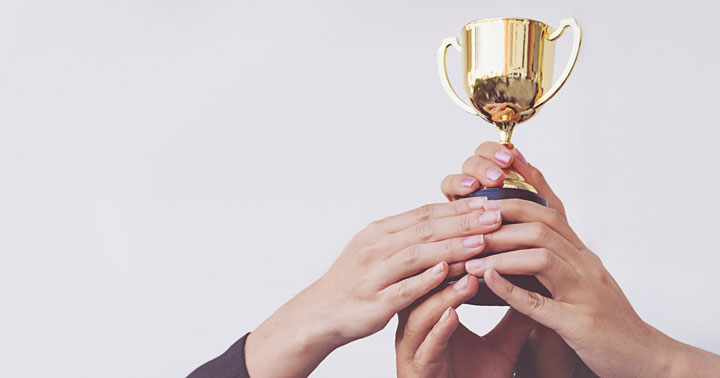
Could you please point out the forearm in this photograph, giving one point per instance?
(291, 343)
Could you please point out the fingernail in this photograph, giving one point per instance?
(494, 274)
(439, 268)
(489, 218)
(502, 156)
(521, 157)
(461, 283)
(445, 315)
(493, 173)
(468, 182)
(477, 203)
(493, 205)
(473, 266)
(473, 241)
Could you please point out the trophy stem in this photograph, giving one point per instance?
(505, 129)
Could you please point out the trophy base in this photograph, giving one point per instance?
(485, 296)
(508, 193)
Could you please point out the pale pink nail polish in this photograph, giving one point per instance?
(439, 268)
(502, 156)
(445, 315)
(473, 266)
(489, 218)
(521, 157)
(473, 241)
(468, 182)
(477, 203)
(461, 284)
(493, 173)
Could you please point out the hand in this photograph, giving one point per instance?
(431, 343)
(383, 269)
(545, 354)
(588, 309)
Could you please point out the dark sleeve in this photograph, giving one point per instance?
(230, 364)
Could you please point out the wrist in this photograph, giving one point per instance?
(292, 342)
(667, 356)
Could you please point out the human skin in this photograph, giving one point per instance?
(384, 268)
(465, 354)
(588, 309)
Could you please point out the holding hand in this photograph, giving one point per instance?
(431, 343)
(588, 309)
(384, 269)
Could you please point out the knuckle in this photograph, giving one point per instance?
(404, 290)
(556, 217)
(546, 259)
(410, 255)
(367, 255)
(449, 246)
(535, 302)
(458, 207)
(467, 222)
(470, 166)
(374, 227)
(425, 230)
(485, 146)
(539, 231)
(424, 212)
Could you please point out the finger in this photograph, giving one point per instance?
(496, 152)
(428, 212)
(421, 319)
(432, 349)
(553, 272)
(517, 236)
(455, 186)
(487, 171)
(535, 178)
(456, 269)
(402, 294)
(433, 230)
(510, 334)
(521, 211)
(541, 309)
(418, 257)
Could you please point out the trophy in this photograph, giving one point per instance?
(507, 67)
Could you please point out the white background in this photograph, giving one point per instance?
(173, 171)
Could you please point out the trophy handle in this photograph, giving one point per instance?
(577, 39)
(445, 80)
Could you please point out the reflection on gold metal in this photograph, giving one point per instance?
(507, 66)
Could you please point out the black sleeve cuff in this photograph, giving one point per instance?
(230, 364)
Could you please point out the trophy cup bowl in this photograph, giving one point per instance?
(507, 67)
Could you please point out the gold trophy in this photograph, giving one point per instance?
(507, 67)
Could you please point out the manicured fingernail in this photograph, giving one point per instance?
(445, 315)
(468, 182)
(439, 268)
(473, 241)
(520, 157)
(502, 156)
(473, 266)
(489, 218)
(477, 203)
(493, 205)
(493, 173)
(494, 274)
(461, 283)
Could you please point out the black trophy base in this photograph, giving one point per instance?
(507, 193)
(485, 296)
